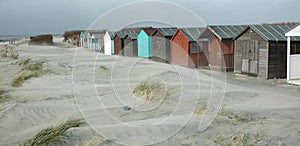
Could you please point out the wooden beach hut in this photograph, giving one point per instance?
(109, 43)
(96, 41)
(261, 51)
(184, 48)
(145, 42)
(119, 43)
(218, 44)
(130, 44)
(161, 44)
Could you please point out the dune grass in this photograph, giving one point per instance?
(241, 139)
(150, 90)
(8, 51)
(27, 72)
(52, 135)
(104, 68)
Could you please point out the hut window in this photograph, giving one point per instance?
(204, 45)
(295, 48)
(194, 48)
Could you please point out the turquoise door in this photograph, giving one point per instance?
(144, 45)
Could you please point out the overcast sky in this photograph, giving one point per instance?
(30, 17)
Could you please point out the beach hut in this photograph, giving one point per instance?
(218, 44)
(109, 43)
(145, 42)
(184, 48)
(130, 44)
(261, 51)
(293, 54)
(161, 44)
(119, 43)
(96, 40)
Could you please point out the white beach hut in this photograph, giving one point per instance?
(293, 70)
(109, 43)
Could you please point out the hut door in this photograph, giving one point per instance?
(250, 57)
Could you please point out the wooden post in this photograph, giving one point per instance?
(288, 58)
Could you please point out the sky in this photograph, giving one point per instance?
(32, 17)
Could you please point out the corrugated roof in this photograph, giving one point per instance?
(227, 31)
(167, 32)
(132, 35)
(271, 32)
(120, 34)
(111, 34)
(192, 34)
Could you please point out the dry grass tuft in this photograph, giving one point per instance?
(8, 51)
(28, 71)
(150, 90)
(104, 68)
(241, 139)
(53, 135)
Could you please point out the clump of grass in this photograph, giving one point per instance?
(27, 72)
(24, 62)
(241, 139)
(5, 98)
(201, 110)
(150, 90)
(104, 68)
(52, 135)
(8, 52)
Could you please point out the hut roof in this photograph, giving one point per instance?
(273, 32)
(120, 34)
(294, 32)
(150, 31)
(192, 34)
(167, 32)
(132, 35)
(227, 31)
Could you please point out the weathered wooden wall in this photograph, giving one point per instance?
(118, 45)
(277, 60)
(130, 47)
(160, 48)
(263, 54)
(179, 49)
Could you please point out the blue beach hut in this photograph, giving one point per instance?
(145, 42)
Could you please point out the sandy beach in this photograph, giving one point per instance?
(81, 83)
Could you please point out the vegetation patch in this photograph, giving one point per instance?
(201, 110)
(53, 135)
(8, 51)
(241, 139)
(27, 72)
(149, 90)
(104, 68)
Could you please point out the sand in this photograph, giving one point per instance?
(77, 86)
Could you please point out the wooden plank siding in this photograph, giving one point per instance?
(277, 60)
(130, 47)
(118, 45)
(160, 48)
(262, 53)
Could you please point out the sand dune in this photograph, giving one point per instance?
(83, 83)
